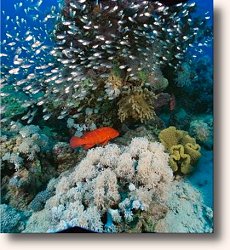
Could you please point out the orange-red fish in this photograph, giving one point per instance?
(98, 136)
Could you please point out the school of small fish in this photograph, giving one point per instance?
(53, 51)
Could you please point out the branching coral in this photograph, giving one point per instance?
(113, 189)
(183, 149)
(137, 104)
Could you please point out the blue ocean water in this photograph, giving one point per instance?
(206, 6)
(203, 179)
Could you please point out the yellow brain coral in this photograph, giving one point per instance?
(183, 149)
(136, 104)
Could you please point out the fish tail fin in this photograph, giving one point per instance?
(76, 142)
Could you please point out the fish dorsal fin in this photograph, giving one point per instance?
(86, 134)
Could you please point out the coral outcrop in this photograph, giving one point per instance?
(113, 189)
(202, 129)
(183, 149)
(29, 159)
(24, 163)
(195, 80)
(185, 75)
(12, 220)
(64, 156)
(129, 134)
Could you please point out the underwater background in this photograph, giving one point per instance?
(107, 120)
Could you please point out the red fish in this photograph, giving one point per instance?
(98, 136)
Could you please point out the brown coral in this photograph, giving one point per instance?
(115, 80)
(137, 104)
(113, 85)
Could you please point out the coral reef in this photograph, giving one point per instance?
(187, 212)
(180, 118)
(161, 100)
(29, 159)
(25, 151)
(113, 189)
(63, 156)
(113, 85)
(131, 65)
(12, 220)
(11, 104)
(202, 129)
(156, 80)
(40, 199)
(137, 104)
(195, 81)
(129, 134)
(184, 151)
(24, 143)
(185, 75)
